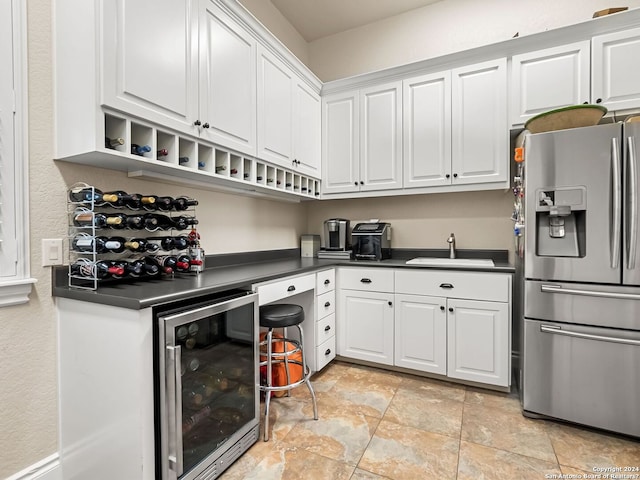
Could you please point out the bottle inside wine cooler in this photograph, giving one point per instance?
(139, 149)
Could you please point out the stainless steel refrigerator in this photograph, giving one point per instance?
(581, 265)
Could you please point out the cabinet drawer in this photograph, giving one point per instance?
(325, 281)
(469, 285)
(325, 304)
(285, 288)
(325, 329)
(368, 279)
(325, 353)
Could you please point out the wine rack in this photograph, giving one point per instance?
(115, 237)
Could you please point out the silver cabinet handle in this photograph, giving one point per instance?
(174, 393)
(633, 211)
(616, 201)
(588, 336)
(588, 293)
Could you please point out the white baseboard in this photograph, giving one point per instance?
(46, 469)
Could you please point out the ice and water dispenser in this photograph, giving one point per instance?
(560, 221)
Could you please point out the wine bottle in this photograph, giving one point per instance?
(183, 160)
(183, 203)
(269, 180)
(288, 184)
(164, 203)
(220, 168)
(233, 171)
(101, 269)
(151, 266)
(247, 175)
(86, 243)
(135, 222)
(259, 178)
(167, 263)
(296, 187)
(201, 165)
(99, 220)
(135, 268)
(119, 266)
(112, 143)
(139, 149)
(183, 222)
(163, 152)
(135, 201)
(136, 244)
(117, 199)
(183, 263)
(155, 221)
(88, 194)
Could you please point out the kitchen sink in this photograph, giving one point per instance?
(456, 262)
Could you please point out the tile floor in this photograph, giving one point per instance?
(375, 424)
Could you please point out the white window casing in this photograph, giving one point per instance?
(15, 283)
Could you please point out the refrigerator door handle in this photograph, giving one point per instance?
(617, 201)
(588, 336)
(588, 293)
(633, 210)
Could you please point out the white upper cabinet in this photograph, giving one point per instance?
(381, 137)
(616, 70)
(479, 129)
(275, 109)
(427, 130)
(306, 130)
(341, 142)
(227, 81)
(150, 64)
(548, 79)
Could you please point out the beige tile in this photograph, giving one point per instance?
(433, 388)
(342, 437)
(364, 475)
(506, 430)
(478, 462)
(489, 398)
(291, 463)
(586, 449)
(325, 380)
(401, 452)
(575, 472)
(284, 414)
(422, 409)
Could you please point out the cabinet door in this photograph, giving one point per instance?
(479, 130)
(548, 79)
(421, 333)
(365, 326)
(381, 137)
(306, 130)
(340, 143)
(616, 72)
(150, 60)
(478, 341)
(427, 130)
(275, 109)
(227, 80)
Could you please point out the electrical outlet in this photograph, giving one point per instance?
(51, 252)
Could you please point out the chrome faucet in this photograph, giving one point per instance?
(452, 245)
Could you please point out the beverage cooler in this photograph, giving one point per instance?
(207, 399)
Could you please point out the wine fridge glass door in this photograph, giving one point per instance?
(210, 393)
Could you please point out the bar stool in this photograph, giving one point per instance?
(282, 316)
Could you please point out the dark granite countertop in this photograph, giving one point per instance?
(227, 272)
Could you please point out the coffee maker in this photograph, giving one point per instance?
(336, 234)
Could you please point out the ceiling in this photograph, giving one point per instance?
(315, 19)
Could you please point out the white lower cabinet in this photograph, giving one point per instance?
(478, 343)
(421, 333)
(449, 323)
(366, 327)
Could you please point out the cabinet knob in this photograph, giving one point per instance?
(455, 175)
(327, 304)
(390, 304)
(442, 307)
(327, 328)
(356, 184)
(447, 176)
(365, 280)
(327, 281)
(291, 288)
(446, 285)
(451, 309)
(197, 123)
(598, 100)
(361, 182)
(206, 125)
(327, 351)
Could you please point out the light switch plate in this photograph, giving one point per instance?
(51, 252)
